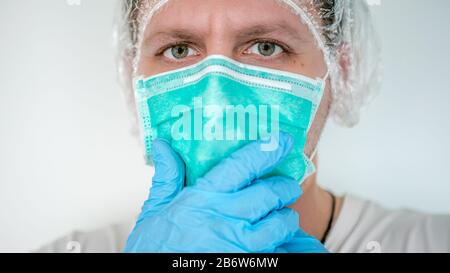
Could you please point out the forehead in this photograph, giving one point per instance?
(231, 15)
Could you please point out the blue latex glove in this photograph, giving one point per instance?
(302, 243)
(228, 210)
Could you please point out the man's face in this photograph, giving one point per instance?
(256, 32)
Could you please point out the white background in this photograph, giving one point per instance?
(68, 161)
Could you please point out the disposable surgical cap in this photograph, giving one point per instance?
(343, 30)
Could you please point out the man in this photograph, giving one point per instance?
(329, 40)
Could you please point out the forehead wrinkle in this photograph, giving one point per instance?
(198, 33)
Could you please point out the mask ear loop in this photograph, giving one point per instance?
(324, 82)
(311, 169)
(326, 76)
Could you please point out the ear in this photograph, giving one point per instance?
(344, 61)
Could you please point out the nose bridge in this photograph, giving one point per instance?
(219, 40)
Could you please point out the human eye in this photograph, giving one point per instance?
(265, 49)
(179, 52)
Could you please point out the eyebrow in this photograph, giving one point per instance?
(175, 34)
(248, 33)
(265, 29)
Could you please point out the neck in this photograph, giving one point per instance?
(314, 207)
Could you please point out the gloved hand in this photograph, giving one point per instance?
(230, 209)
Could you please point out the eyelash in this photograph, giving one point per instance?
(285, 48)
(162, 50)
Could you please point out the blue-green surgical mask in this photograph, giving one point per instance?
(211, 109)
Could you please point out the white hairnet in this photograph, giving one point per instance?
(343, 30)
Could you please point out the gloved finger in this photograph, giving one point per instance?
(264, 196)
(246, 164)
(168, 179)
(302, 243)
(251, 203)
(277, 228)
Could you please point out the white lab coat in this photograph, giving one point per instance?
(362, 226)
